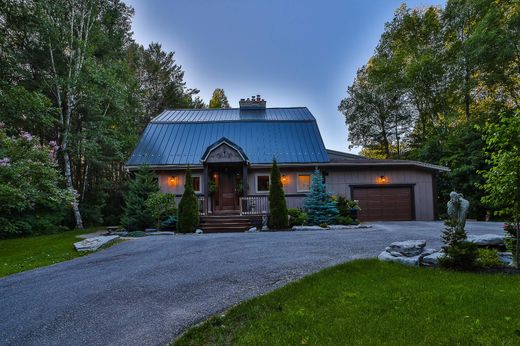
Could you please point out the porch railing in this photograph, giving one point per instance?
(203, 210)
(254, 205)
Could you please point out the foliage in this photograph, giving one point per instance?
(218, 99)
(136, 234)
(32, 197)
(137, 216)
(26, 253)
(512, 231)
(90, 87)
(345, 205)
(435, 74)
(324, 225)
(188, 212)
(488, 258)
(161, 205)
(296, 217)
(369, 302)
(278, 216)
(318, 204)
(502, 184)
(170, 223)
(459, 253)
(344, 220)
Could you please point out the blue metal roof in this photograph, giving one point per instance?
(181, 137)
(234, 114)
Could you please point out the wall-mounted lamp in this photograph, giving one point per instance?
(173, 180)
(383, 179)
(285, 179)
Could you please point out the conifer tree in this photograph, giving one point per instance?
(188, 211)
(218, 99)
(136, 215)
(279, 218)
(319, 205)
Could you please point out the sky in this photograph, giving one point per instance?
(293, 53)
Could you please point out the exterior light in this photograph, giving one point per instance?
(285, 180)
(174, 180)
(383, 179)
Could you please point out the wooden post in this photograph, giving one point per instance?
(206, 191)
(245, 180)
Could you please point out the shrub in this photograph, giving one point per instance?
(169, 224)
(459, 253)
(136, 234)
(32, 197)
(324, 225)
(296, 217)
(161, 205)
(319, 205)
(136, 215)
(489, 258)
(278, 217)
(188, 212)
(512, 231)
(345, 206)
(344, 220)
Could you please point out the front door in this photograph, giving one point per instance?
(227, 190)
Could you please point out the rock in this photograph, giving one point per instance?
(487, 239)
(408, 248)
(199, 231)
(506, 258)
(161, 233)
(406, 260)
(340, 227)
(150, 230)
(432, 259)
(252, 230)
(307, 228)
(120, 233)
(92, 244)
(427, 252)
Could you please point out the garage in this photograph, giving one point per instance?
(388, 203)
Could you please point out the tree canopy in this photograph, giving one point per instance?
(218, 99)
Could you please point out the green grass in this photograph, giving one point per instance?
(368, 302)
(20, 254)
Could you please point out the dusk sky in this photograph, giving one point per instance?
(293, 53)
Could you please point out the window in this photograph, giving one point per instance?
(304, 182)
(262, 183)
(196, 183)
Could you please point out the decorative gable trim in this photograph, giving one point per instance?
(224, 150)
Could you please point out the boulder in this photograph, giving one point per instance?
(427, 252)
(406, 260)
(199, 231)
(506, 258)
(252, 230)
(408, 248)
(431, 260)
(92, 244)
(487, 239)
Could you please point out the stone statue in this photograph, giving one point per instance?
(458, 208)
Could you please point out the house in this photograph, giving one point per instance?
(230, 152)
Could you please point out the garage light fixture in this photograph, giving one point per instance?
(383, 179)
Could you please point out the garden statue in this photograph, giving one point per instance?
(458, 208)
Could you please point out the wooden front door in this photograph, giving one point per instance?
(227, 191)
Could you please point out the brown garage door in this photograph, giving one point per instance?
(384, 203)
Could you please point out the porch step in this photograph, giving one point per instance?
(224, 223)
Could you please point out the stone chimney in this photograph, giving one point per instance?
(252, 103)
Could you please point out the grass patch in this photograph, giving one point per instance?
(20, 254)
(368, 302)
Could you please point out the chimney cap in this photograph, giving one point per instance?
(255, 102)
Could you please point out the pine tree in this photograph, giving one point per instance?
(218, 99)
(319, 205)
(279, 218)
(136, 215)
(188, 212)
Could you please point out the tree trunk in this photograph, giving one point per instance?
(70, 186)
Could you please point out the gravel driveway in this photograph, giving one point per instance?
(147, 291)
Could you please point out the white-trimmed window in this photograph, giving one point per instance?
(262, 183)
(303, 182)
(197, 183)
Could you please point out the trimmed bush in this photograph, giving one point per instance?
(278, 218)
(489, 258)
(460, 254)
(137, 216)
(296, 217)
(344, 220)
(188, 212)
(161, 205)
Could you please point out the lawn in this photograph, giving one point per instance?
(17, 255)
(368, 302)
